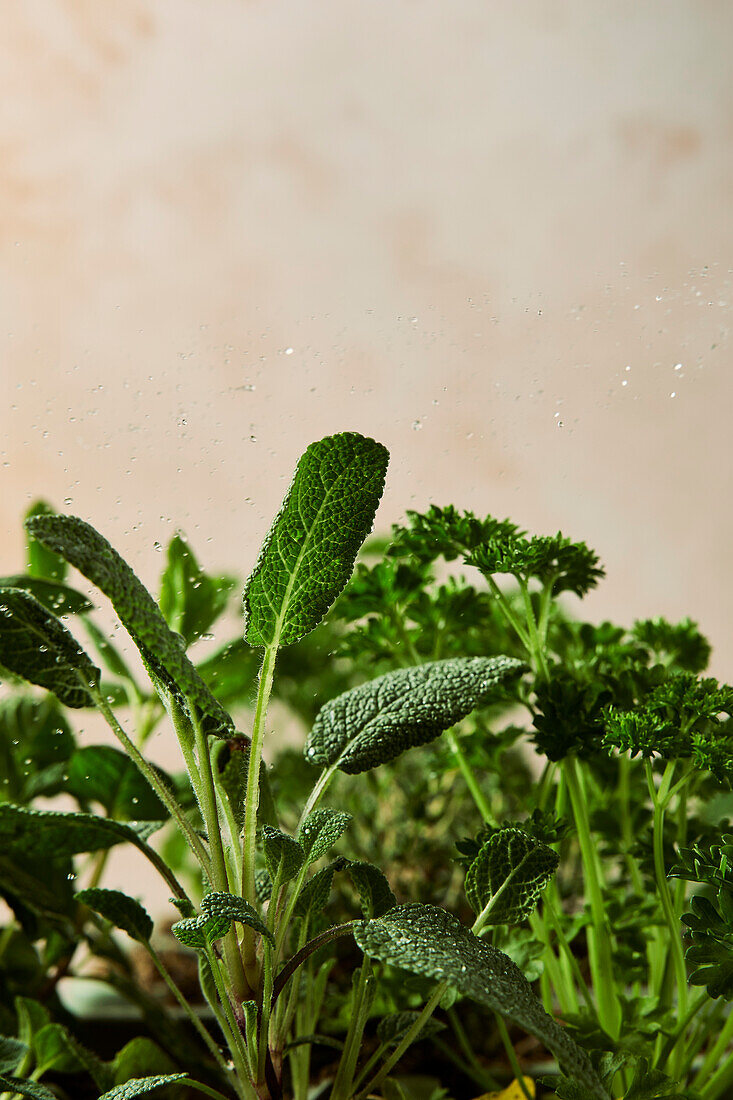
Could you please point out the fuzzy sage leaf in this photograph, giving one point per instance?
(320, 831)
(375, 722)
(308, 554)
(162, 651)
(32, 1089)
(430, 942)
(34, 645)
(52, 834)
(119, 909)
(218, 910)
(283, 855)
(510, 871)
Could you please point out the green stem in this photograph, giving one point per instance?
(317, 793)
(509, 613)
(511, 1055)
(233, 1035)
(714, 1055)
(409, 1037)
(535, 647)
(349, 1056)
(475, 1070)
(718, 1083)
(195, 1021)
(599, 933)
(671, 920)
(679, 1032)
(470, 779)
(170, 803)
(249, 834)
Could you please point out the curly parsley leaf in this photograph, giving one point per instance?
(710, 921)
(375, 722)
(430, 942)
(554, 560)
(35, 646)
(512, 868)
(309, 552)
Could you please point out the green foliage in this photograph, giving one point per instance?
(375, 722)
(35, 745)
(375, 895)
(428, 941)
(283, 855)
(710, 920)
(119, 909)
(511, 870)
(11, 1053)
(103, 774)
(52, 834)
(138, 1086)
(35, 646)
(42, 562)
(218, 910)
(89, 552)
(26, 1088)
(190, 600)
(320, 831)
(309, 552)
(59, 599)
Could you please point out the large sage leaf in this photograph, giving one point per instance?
(25, 1088)
(55, 597)
(308, 554)
(375, 722)
(138, 1086)
(218, 910)
(35, 744)
(119, 909)
(34, 645)
(101, 773)
(513, 868)
(162, 651)
(52, 834)
(430, 942)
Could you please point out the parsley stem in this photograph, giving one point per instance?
(509, 613)
(714, 1055)
(599, 932)
(170, 803)
(672, 921)
(679, 1032)
(471, 782)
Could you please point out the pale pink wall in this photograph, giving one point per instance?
(488, 231)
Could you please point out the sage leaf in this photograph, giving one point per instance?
(320, 831)
(141, 1057)
(138, 1086)
(372, 887)
(11, 1053)
(162, 651)
(57, 598)
(119, 909)
(282, 854)
(316, 892)
(54, 1049)
(25, 1088)
(52, 834)
(32, 1016)
(372, 724)
(309, 552)
(34, 645)
(43, 888)
(35, 744)
(218, 910)
(430, 942)
(513, 868)
(393, 1028)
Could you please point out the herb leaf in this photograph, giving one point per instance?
(138, 1086)
(218, 910)
(375, 722)
(53, 834)
(375, 894)
(119, 909)
(282, 854)
(161, 649)
(430, 942)
(190, 599)
(34, 645)
(514, 865)
(25, 1088)
(308, 554)
(320, 831)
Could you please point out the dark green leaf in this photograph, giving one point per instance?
(119, 909)
(34, 737)
(110, 655)
(320, 831)
(392, 1029)
(59, 599)
(103, 774)
(218, 910)
(375, 722)
(513, 868)
(428, 941)
(191, 601)
(282, 854)
(308, 554)
(52, 834)
(11, 1053)
(32, 1017)
(34, 645)
(161, 649)
(372, 887)
(316, 892)
(54, 1049)
(26, 1088)
(41, 886)
(138, 1086)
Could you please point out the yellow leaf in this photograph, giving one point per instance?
(511, 1092)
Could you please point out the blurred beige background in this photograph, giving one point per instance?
(495, 236)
